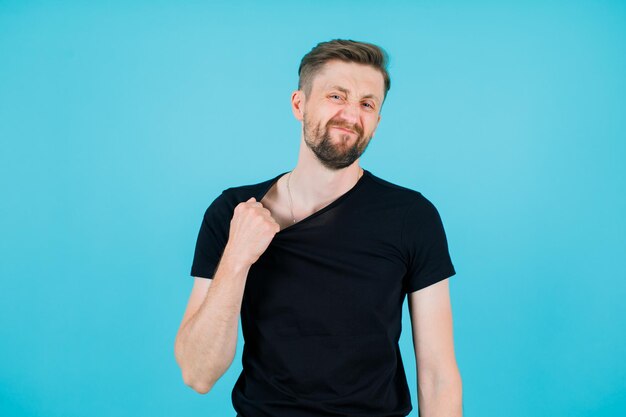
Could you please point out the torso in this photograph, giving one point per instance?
(321, 312)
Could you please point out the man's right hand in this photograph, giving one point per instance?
(206, 341)
(252, 228)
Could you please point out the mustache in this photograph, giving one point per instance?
(354, 128)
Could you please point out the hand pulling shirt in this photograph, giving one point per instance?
(322, 307)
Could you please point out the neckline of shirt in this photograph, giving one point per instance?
(332, 204)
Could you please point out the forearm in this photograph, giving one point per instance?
(206, 345)
(440, 396)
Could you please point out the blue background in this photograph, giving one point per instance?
(120, 122)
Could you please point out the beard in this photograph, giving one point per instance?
(334, 154)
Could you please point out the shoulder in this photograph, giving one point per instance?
(413, 210)
(230, 197)
(399, 195)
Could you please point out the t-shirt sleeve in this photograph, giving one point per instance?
(212, 238)
(426, 247)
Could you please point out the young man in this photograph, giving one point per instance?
(318, 261)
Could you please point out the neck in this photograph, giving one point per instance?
(313, 185)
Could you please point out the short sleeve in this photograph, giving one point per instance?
(426, 247)
(212, 238)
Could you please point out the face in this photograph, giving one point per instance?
(341, 113)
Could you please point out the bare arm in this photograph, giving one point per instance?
(439, 379)
(207, 338)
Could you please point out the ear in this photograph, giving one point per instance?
(297, 104)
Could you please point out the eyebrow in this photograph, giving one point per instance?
(346, 91)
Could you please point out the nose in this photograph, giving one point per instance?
(350, 112)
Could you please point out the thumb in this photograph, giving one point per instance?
(251, 198)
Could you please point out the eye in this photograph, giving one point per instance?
(335, 96)
(368, 105)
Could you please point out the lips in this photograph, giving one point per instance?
(343, 129)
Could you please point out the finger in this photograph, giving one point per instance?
(266, 213)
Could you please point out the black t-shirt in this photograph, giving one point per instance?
(322, 307)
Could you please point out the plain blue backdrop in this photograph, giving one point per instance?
(121, 121)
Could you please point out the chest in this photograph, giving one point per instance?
(279, 210)
(338, 269)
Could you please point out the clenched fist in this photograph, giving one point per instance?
(252, 228)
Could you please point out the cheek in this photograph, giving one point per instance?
(370, 123)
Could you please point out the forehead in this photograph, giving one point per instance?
(359, 79)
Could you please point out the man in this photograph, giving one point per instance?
(318, 261)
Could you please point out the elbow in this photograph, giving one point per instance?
(201, 387)
(198, 382)
(452, 381)
(189, 375)
(200, 374)
(448, 380)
